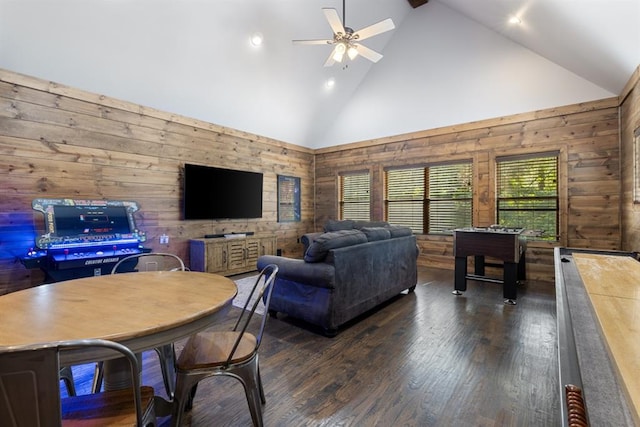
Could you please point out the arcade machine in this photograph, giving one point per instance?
(84, 237)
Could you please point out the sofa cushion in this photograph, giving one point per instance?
(399, 231)
(318, 250)
(308, 238)
(361, 224)
(336, 225)
(376, 233)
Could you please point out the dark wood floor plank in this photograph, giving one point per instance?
(424, 359)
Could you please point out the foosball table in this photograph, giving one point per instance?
(507, 245)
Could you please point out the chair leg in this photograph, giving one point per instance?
(184, 386)
(98, 376)
(263, 399)
(66, 375)
(167, 356)
(255, 404)
(192, 396)
(249, 377)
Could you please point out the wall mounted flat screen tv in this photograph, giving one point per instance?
(217, 193)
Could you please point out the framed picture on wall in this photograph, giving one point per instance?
(288, 198)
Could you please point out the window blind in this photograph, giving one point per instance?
(355, 197)
(434, 199)
(527, 194)
(450, 197)
(405, 198)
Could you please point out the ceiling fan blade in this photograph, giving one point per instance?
(370, 54)
(330, 61)
(327, 41)
(374, 30)
(334, 20)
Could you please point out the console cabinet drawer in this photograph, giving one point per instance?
(230, 256)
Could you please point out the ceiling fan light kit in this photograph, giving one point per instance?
(338, 51)
(352, 52)
(345, 40)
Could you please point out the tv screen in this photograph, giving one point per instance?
(91, 220)
(217, 193)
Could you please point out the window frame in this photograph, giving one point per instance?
(427, 226)
(560, 206)
(636, 166)
(342, 202)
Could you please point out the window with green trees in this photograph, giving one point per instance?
(432, 199)
(527, 193)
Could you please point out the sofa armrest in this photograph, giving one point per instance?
(318, 274)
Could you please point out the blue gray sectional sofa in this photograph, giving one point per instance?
(349, 269)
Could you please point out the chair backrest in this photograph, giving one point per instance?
(29, 383)
(262, 289)
(29, 387)
(158, 261)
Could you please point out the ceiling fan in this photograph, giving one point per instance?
(345, 41)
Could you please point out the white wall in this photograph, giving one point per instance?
(192, 57)
(441, 69)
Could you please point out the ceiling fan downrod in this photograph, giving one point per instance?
(344, 13)
(348, 31)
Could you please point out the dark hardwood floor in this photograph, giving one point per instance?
(424, 359)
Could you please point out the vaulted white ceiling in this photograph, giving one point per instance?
(446, 62)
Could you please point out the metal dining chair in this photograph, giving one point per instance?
(30, 390)
(229, 353)
(158, 261)
(149, 262)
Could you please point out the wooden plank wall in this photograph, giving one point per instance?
(59, 142)
(630, 124)
(586, 136)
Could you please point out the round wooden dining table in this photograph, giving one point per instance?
(141, 310)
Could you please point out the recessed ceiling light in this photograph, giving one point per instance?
(331, 82)
(257, 39)
(515, 20)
